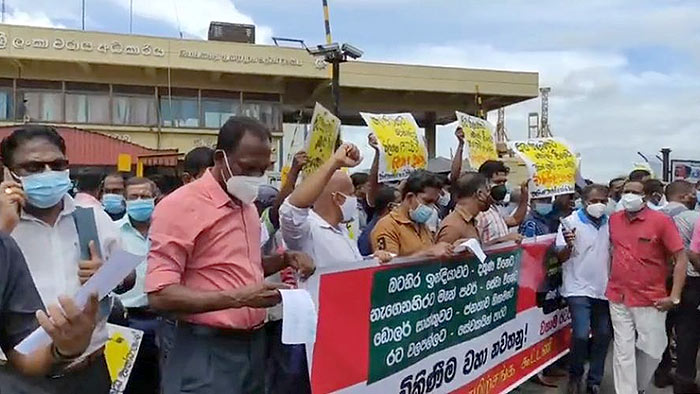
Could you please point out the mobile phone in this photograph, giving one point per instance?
(566, 225)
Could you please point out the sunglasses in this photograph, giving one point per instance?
(34, 167)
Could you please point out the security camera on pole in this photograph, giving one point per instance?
(335, 54)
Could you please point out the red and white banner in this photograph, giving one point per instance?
(426, 326)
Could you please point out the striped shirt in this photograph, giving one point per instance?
(491, 225)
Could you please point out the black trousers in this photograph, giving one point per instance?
(203, 361)
(286, 369)
(688, 330)
(94, 378)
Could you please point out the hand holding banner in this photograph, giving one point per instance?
(401, 149)
(427, 326)
(320, 142)
(551, 163)
(478, 135)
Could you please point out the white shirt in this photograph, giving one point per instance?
(53, 254)
(587, 270)
(304, 230)
(135, 243)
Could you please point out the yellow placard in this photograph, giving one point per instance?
(121, 350)
(551, 163)
(320, 142)
(402, 150)
(478, 134)
(124, 162)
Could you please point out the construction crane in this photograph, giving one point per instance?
(544, 131)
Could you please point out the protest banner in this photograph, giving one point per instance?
(687, 170)
(120, 353)
(478, 135)
(422, 326)
(401, 149)
(320, 142)
(551, 163)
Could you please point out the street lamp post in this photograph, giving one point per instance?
(666, 164)
(335, 87)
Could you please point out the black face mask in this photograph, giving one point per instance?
(498, 192)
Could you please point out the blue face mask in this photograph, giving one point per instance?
(421, 214)
(140, 210)
(543, 208)
(113, 203)
(46, 189)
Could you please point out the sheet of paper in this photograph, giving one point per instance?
(473, 245)
(111, 274)
(299, 317)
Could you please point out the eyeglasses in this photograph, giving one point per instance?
(33, 167)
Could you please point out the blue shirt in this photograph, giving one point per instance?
(535, 225)
(364, 243)
(134, 242)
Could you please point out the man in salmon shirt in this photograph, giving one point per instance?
(206, 267)
(644, 244)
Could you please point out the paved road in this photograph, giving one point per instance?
(606, 387)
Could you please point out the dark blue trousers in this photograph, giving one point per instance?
(589, 316)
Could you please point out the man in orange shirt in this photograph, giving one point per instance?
(205, 265)
(403, 231)
(471, 192)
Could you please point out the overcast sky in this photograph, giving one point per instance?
(625, 75)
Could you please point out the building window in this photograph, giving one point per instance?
(215, 112)
(134, 110)
(269, 113)
(87, 108)
(41, 106)
(5, 104)
(179, 111)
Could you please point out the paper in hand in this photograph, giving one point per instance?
(299, 317)
(109, 276)
(473, 245)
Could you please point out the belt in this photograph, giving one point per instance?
(209, 331)
(82, 363)
(142, 312)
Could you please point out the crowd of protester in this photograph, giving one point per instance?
(219, 246)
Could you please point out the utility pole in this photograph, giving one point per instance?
(479, 107)
(131, 16)
(666, 164)
(83, 13)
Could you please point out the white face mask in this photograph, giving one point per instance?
(632, 202)
(444, 199)
(349, 209)
(243, 187)
(596, 210)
